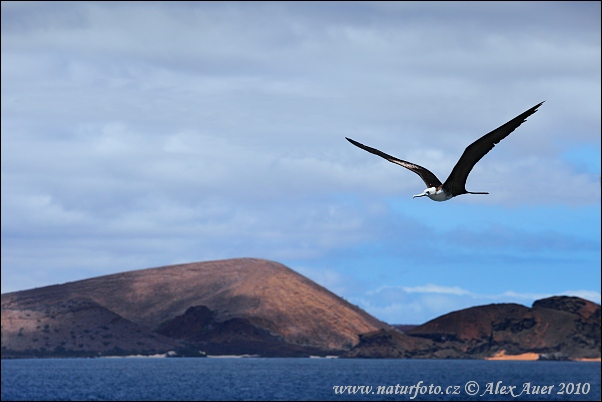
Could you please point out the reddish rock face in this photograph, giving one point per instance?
(261, 301)
(558, 325)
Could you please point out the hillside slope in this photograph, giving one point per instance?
(269, 302)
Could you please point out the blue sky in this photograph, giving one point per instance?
(138, 135)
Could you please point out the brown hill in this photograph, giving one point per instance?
(239, 306)
(75, 327)
(559, 326)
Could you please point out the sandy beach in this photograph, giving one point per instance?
(501, 355)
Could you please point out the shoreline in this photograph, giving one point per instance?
(501, 355)
(523, 356)
(497, 357)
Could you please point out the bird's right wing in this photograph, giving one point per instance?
(426, 175)
(456, 182)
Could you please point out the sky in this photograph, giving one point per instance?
(138, 135)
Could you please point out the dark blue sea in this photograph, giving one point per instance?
(297, 379)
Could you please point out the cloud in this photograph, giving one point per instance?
(419, 304)
(431, 288)
(584, 294)
(142, 135)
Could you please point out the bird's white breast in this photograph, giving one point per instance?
(440, 195)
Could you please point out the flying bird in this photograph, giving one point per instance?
(456, 182)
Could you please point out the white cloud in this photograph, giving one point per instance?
(584, 294)
(419, 304)
(137, 135)
(431, 288)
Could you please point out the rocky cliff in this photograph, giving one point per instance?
(560, 325)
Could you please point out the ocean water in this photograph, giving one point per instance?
(296, 379)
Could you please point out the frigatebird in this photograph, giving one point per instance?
(456, 182)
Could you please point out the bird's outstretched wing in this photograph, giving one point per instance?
(426, 175)
(456, 182)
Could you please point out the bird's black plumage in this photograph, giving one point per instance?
(427, 176)
(456, 182)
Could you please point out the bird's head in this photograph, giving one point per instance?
(428, 192)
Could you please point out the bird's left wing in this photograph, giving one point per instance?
(426, 175)
(456, 182)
